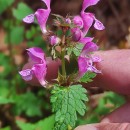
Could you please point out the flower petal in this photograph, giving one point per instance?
(88, 48)
(47, 2)
(98, 25)
(82, 65)
(96, 59)
(85, 64)
(26, 74)
(40, 71)
(77, 20)
(93, 69)
(87, 3)
(76, 34)
(85, 40)
(42, 16)
(36, 55)
(29, 18)
(88, 21)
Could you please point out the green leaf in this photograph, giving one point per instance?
(5, 100)
(25, 126)
(77, 50)
(4, 4)
(27, 103)
(45, 124)
(30, 33)
(6, 128)
(22, 11)
(87, 77)
(66, 103)
(16, 35)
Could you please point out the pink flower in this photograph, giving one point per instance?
(39, 67)
(86, 64)
(85, 20)
(41, 15)
(89, 48)
(86, 61)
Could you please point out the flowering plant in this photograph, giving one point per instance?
(69, 47)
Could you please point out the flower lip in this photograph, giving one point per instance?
(26, 74)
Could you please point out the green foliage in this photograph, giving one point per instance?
(77, 50)
(5, 100)
(66, 103)
(16, 35)
(45, 124)
(109, 102)
(4, 4)
(22, 11)
(6, 128)
(30, 33)
(27, 103)
(87, 77)
(25, 126)
(4, 61)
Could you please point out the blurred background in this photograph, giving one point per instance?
(23, 107)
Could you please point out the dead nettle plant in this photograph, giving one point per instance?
(71, 45)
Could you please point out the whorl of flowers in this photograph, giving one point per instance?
(74, 31)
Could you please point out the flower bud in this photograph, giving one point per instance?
(54, 40)
(68, 20)
(76, 34)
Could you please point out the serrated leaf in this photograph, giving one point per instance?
(87, 77)
(67, 102)
(22, 11)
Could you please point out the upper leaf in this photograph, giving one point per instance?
(87, 77)
(66, 103)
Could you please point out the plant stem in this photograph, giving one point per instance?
(63, 63)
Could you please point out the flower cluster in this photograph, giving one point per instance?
(77, 26)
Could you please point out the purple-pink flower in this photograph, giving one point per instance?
(86, 20)
(85, 65)
(39, 67)
(86, 61)
(41, 15)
